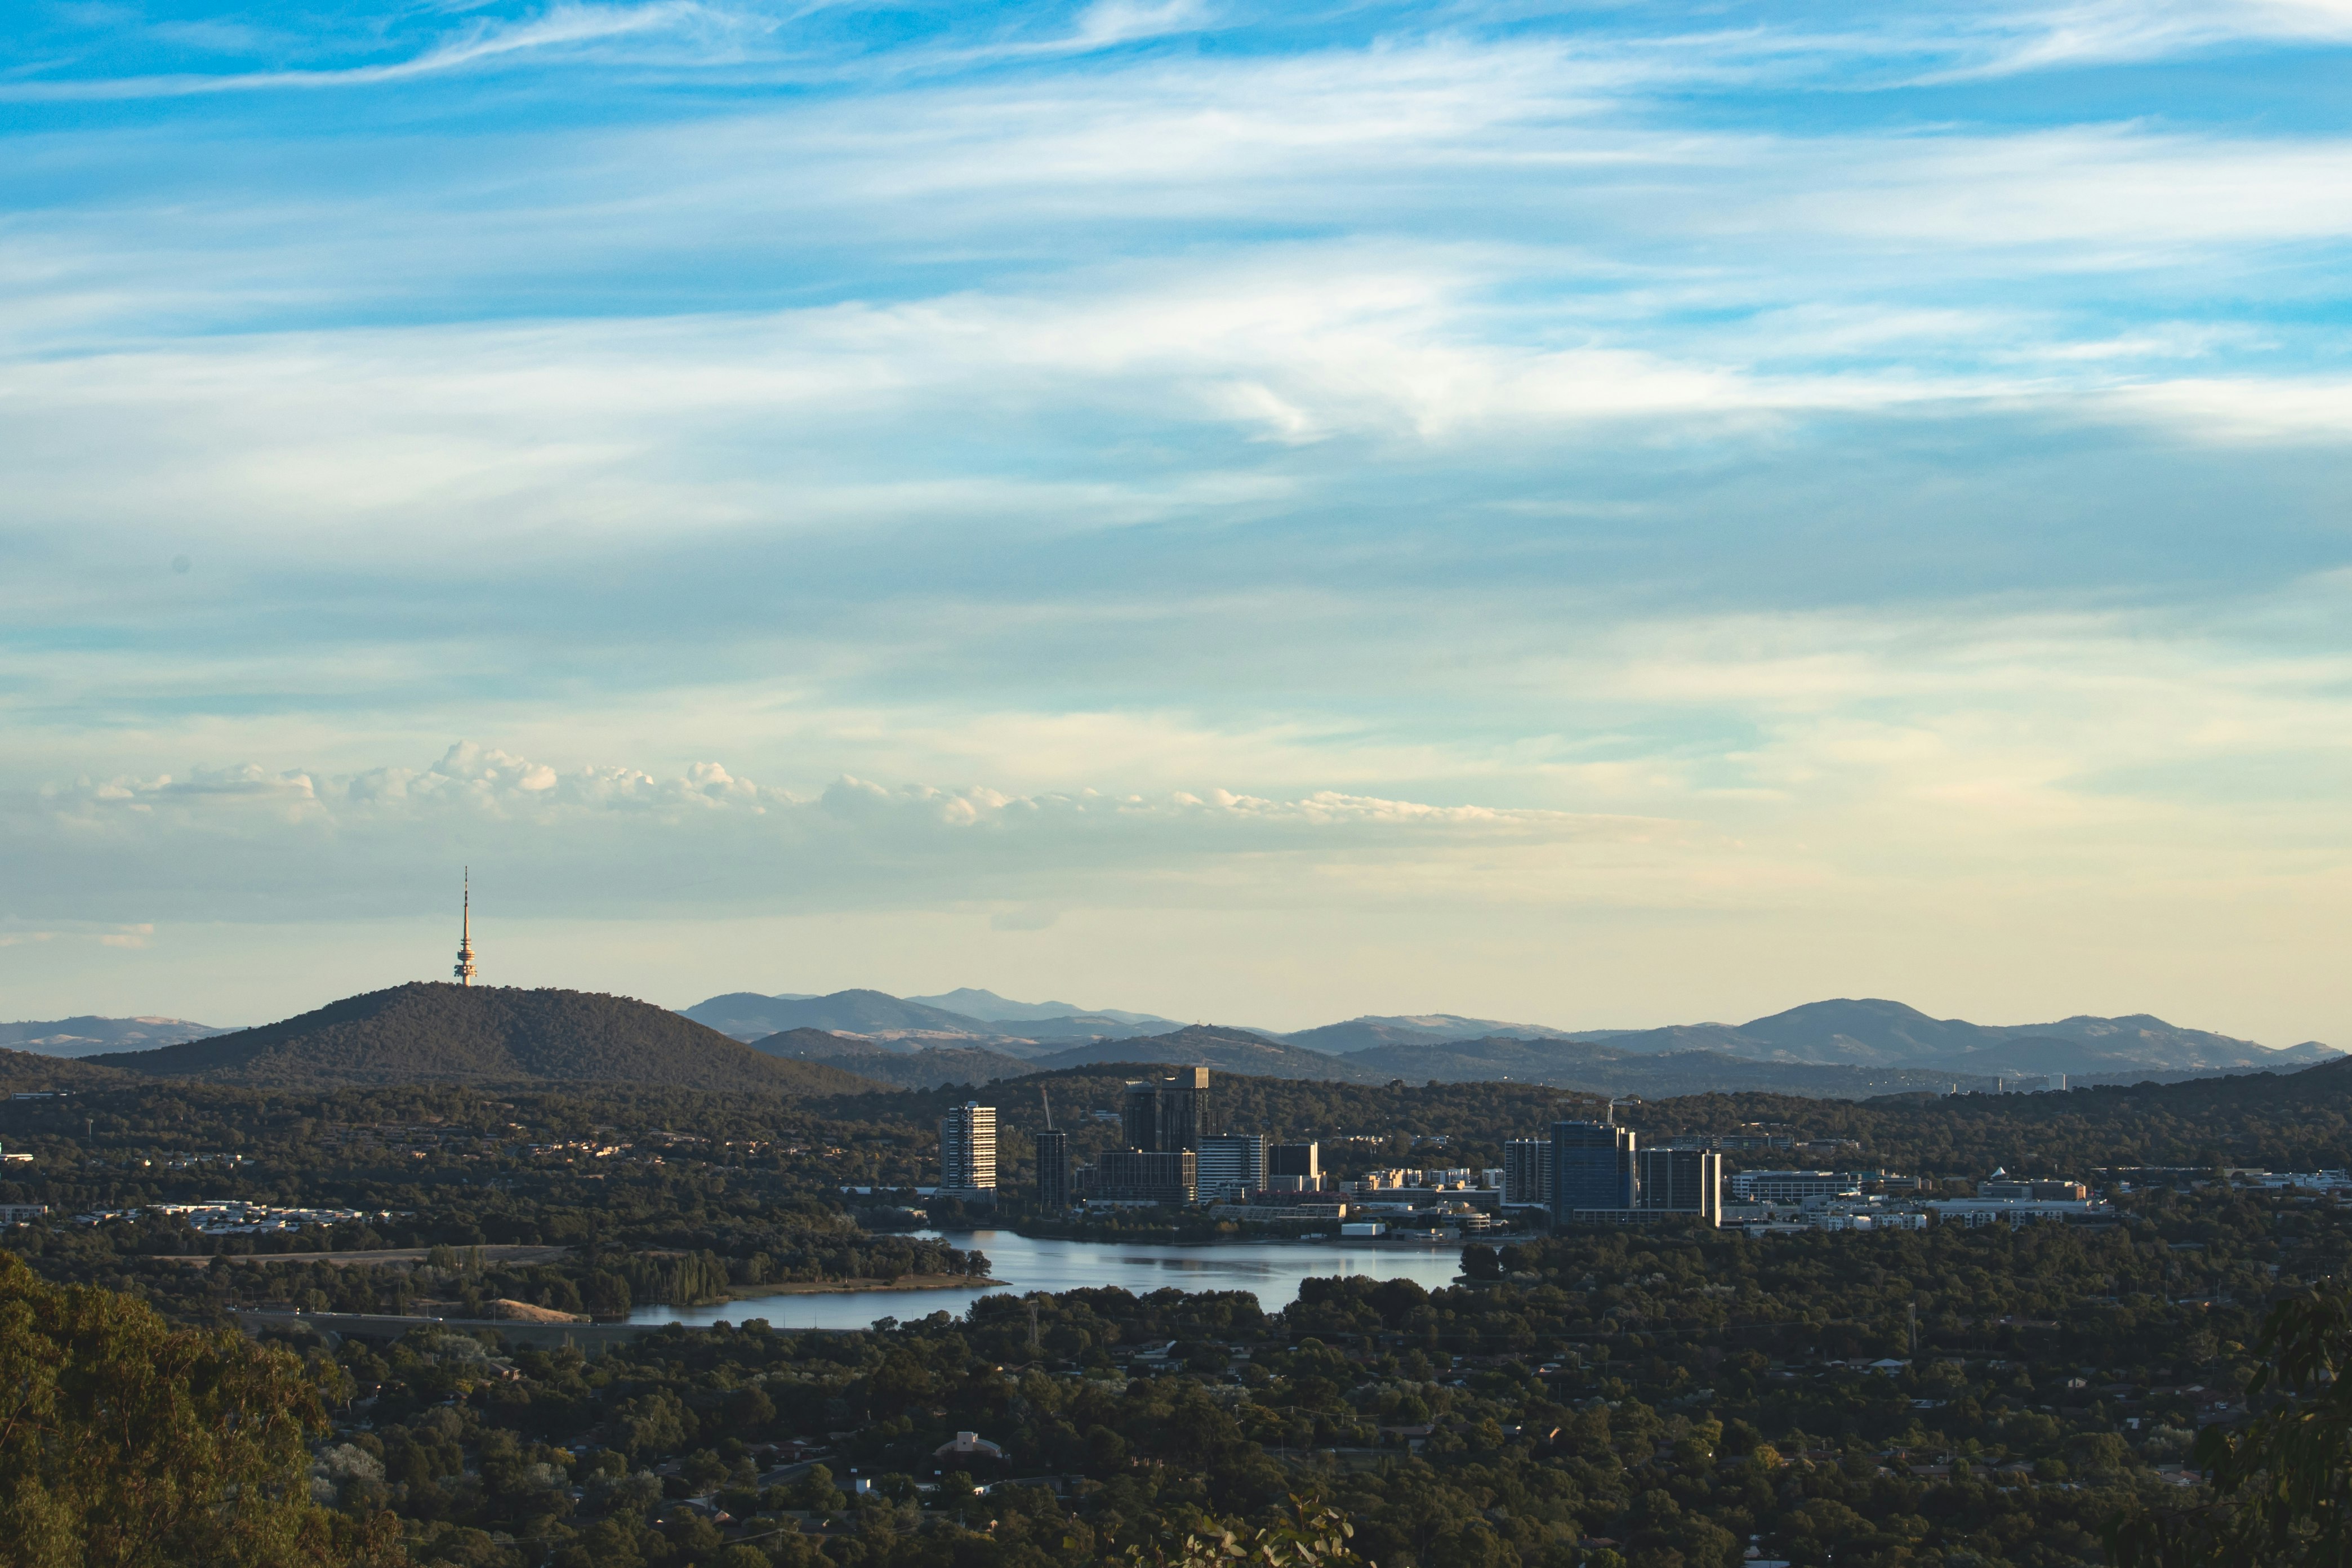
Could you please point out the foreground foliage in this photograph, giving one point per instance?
(2282, 1483)
(126, 1443)
(1655, 1399)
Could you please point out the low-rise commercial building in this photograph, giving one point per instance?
(1791, 1186)
(2015, 1212)
(2001, 1189)
(1146, 1175)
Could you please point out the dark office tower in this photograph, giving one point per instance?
(1052, 1172)
(1295, 1159)
(1144, 1176)
(1183, 1109)
(1139, 1115)
(1682, 1181)
(1592, 1168)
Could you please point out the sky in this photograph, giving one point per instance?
(1592, 514)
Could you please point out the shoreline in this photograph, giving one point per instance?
(863, 1286)
(1175, 1238)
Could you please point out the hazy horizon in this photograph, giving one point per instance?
(1606, 519)
(680, 1004)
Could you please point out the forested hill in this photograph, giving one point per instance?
(893, 1065)
(2299, 1121)
(423, 1033)
(1472, 1113)
(1222, 1050)
(29, 1072)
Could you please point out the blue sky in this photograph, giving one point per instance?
(1602, 514)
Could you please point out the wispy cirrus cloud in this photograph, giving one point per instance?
(2089, 33)
(1607, 477)
(476, 42)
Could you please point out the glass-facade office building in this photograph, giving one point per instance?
(1592, 1168)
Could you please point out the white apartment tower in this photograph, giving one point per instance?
(1231, 1164)
(968, 1149)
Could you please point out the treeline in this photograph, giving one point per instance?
(2284, 1121)
(1609, 1400)
(604, 1280)
(87, 1147)
(1591, 1400)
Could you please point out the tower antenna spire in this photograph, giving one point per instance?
(464, 970)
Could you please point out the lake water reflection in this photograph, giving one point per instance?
(1271, 1269)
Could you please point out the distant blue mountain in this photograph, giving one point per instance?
(988, 1006)
(1372, 1032)
(1869, 1033)
(88, 1035)
(876, 1014)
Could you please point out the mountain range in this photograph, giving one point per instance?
(1878, 1034)
(88, 1035)
(1020, 1028)
(989, 1007)
(1565, 1064)
(1373, 1032)
(1874, 1033)
(854, 1041)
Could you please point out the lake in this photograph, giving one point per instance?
(1271, 1269)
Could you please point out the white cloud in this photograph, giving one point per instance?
(558, 27)
(471, 782)
(613, 840)
(1120, 21)
(2105, 32)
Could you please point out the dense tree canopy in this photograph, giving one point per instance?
(127, 1443)
(1658, 1398)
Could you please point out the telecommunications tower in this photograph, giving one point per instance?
(464, 970)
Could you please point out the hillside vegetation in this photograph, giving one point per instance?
(2299, 1121)
(423, 1033)
(900, 1069)
(1222, 1050)
(29, 1072)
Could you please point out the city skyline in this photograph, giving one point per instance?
(1613, 517)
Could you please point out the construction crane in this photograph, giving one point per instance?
(1048, 1101)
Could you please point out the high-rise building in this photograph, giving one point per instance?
(1052, 1171)
(968, 1151)
(1147, 1177)
(1164, 1115)
(1138, 1114)
(1592, 1168)
(1526, 1172)
(1680, 1181)
(1231, 1164)
(1183, 1109)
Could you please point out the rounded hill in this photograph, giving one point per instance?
(429, 1033)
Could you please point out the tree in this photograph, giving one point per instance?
(1314, 1536)
(2282, 1484)
(127, 1443)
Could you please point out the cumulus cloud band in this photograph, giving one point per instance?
(710, 837)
